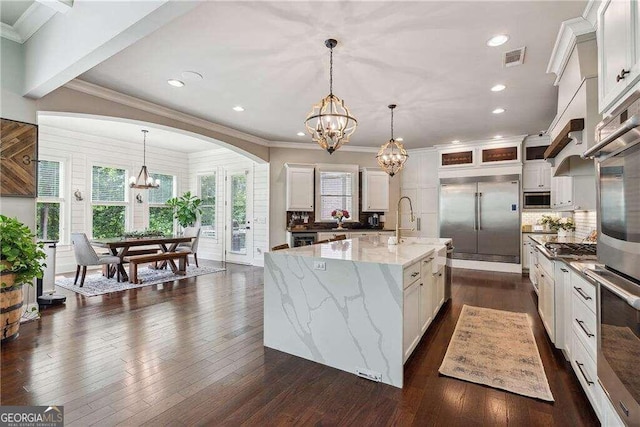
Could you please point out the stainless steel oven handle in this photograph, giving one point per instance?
(632, 300)
(631, 123)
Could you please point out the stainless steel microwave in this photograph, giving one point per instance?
(536, 200)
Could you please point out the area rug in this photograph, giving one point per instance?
(97, 284)
(496, 348)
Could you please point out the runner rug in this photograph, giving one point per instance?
(496, 348)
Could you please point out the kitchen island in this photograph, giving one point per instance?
(358, 305)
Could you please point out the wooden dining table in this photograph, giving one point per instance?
(122, 247)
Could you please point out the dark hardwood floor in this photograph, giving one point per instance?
(191, 352)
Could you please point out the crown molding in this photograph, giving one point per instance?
(572, 32)
(314, 146)
(9, 33)
(150, 107)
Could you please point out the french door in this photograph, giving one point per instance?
(239, 212)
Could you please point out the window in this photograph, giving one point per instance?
(207, 193)
(161, 215)
(50, 202)
(108, 200)
(338, 189)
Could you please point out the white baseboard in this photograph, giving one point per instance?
(501, 267)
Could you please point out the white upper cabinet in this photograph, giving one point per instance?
(618, 50)
(536, 176)
(300, 181)
(375, 190)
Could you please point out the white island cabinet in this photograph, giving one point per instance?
(357, 305)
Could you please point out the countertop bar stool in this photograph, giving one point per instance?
(86, 255)
(282, 246)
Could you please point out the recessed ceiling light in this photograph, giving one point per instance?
(497, 40)
(238, 108)
(497, 137)
(498, 111)
(191, 76)
(498, 88)
(399, 139)
(175, 82)
(455, 141)
(300, 134)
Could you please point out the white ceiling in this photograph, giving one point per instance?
(11, 10)
(430, 58)
(128, 132)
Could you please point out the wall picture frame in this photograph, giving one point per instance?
(18, 158)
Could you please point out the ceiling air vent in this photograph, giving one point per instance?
(513, 57)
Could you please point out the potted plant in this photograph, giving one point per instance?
(186, 209)
(21, 261)
(563, 226)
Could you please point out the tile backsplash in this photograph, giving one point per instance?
(532, 218)
(586, 222)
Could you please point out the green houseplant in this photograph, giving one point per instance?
(186, 209)
(21, 261)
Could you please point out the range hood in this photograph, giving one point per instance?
(575, 62)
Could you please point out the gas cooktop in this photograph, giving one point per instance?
(573, 250)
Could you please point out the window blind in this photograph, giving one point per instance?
(336, 192)
(48, 178)
(108, 184)
(163, 193)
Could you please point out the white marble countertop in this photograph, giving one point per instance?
(370, 249)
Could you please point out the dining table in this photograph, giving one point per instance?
(130, 246)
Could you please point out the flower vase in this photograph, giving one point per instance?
(564, 233)
(339, 225)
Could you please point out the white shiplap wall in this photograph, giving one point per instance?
(80, 152)
(216, 162)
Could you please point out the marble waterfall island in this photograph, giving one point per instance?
(344, 304)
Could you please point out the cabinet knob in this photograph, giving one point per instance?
(622, 74)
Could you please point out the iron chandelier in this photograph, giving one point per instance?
(330, 122)
(144, 180)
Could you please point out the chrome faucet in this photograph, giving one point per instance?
(411, 218)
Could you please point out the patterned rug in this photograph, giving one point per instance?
(97, 284)
(496, 348)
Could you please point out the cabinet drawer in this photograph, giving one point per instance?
(585, 326)
(584, 291)
(546, 264)
(585, 369)
(411, 274)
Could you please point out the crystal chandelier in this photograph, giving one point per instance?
(392, 154)
(330, 122)
(144, 180)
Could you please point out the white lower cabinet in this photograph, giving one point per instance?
(423, 297)
(411, 321)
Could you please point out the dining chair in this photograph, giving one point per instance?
(282, 246)
(191, 247)
(339, 237)
(86, 255)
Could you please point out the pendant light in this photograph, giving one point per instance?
(144, 180)
(392, 154)
(330, 122)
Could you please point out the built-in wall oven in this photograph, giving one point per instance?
(618, 173)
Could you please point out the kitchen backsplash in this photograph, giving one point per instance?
(532, 218)
(586, 222)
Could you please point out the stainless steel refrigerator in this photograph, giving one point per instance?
(482, 216)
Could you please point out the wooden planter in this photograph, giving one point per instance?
(11, 300)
